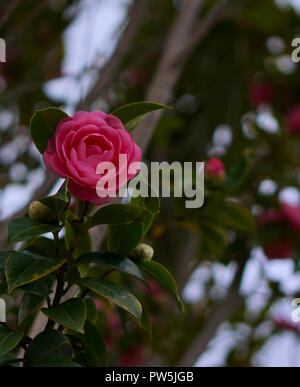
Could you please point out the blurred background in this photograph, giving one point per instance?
(226, 67)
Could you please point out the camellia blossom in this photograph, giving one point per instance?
(83, 142)
(214, 171)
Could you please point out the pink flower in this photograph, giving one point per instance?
(214, 171)
(80, 143)
(260, 94)
(293, 121)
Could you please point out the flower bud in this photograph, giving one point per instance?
(214, 172)
(143, 251)
(39, 212)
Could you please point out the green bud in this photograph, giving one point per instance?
(143, 251)
(41, 213)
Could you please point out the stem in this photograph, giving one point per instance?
(108, 272)
(56, 241)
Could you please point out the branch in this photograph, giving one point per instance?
(180, 43)
(221, 313)
(109, 70)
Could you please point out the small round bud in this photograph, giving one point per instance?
(39, 212)
(214, 172)
(143, 251)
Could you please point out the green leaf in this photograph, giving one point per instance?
(29, 306)
(48, 345)
(71, 314)
(43, 125)
(40, 245)
(235, 216)
(24, 228)
(41, 288)
(163, 277)
(115, 261)
(116, 214)
(150, 203)
(58, 202)
(123, 239)
(8, 340)
(114, 293)
(91, 310)
(214, 239)
(146, 322)
(3, 257)
(238, 173)
(24, 267)
(132, 114)
(96, 346)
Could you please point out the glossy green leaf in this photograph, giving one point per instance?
(3, 257)
(96, 346)
(238, 173)
(48, 345)
(40, 245)
(146, 322)
(24, 267)
(70, 314)
(234, 215)
(150, 203)
(114, 261)
(116, 294)
(9, 340)
(91, 310)
(132, 114)
(163, 277)
(116, 214)
(58, 202)
(29, 306)
(41, 287)
(123, 239)
(213, 238)
(24, 228)
(43, 125)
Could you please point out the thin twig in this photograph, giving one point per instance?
(180, 43)
(109, 70)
